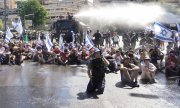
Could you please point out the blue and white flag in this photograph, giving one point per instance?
(39, 41)
(162, 33)
(61, 44)
(73, 37)
(88, 42)
(178, 27)
(48, 42)
(9, 35)
(18, 26)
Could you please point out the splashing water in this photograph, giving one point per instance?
(130, 14)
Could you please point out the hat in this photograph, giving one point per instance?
(15, 47)
(147, 58)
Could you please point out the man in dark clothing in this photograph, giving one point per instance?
(96, 73)
(97, 39)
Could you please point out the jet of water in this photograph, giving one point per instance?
(127, 13)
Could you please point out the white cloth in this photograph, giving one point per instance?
(116, 38)
(144, 67)
(2, 49)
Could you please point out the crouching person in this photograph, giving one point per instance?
(96, 73)
(129, 73)
(148, 71)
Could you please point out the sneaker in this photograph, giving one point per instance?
(136, 84)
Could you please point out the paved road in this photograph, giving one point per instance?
(51, 86)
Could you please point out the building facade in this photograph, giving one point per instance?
(59, 9)
(10, 4)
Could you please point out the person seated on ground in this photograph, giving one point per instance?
(143, 53)
(63, 58)
(6, 54)
(129, 72)
(155, 55)
(17, 57)
(84, 56)
(113, 51)
(148, 70)
(2, 57)
(73, 57)
(118, 59)
(172, 68)
(133, 59)
(46, 57)
(27, 51)
(91, 53)
(37, 53)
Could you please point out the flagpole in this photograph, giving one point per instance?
(5, 16)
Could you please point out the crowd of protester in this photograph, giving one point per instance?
(145, 61)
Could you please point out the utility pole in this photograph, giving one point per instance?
(5, 15)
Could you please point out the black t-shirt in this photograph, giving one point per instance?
(97, 66)
(97, 36)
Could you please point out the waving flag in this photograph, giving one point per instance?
(73, 37)
(18, 26)
(178, 27)
(48, 42)
(162, 33)
(39, 41)
(25, 39)
(61, 44)
(88, 42)
(9, 35)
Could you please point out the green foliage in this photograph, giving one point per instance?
(1, 24)
(25, 8)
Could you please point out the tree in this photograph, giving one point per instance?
(1, 24)
(32, 10)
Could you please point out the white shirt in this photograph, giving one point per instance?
(118, 59)
(144, 67)
(116, 38)
(2, 49)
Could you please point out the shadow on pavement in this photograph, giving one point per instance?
(144, 96)
(122, 85)
(84, 95)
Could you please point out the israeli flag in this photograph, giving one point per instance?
(39, 41)
(178, 27)
(18, 26)
(61, 44)
(88, 42)
(9, 35)
(48, 42)
(73, 37)
(162, 33)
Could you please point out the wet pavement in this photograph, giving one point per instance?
(51, 86)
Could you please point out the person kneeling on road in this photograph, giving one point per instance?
(96, 73)
(148, 70)
(129, 72)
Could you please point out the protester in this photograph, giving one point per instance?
(97, 39)
(129, 72)
(148, 70)
(96, 73)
